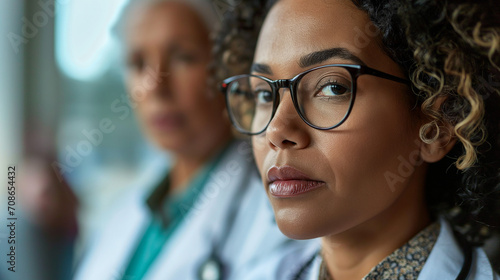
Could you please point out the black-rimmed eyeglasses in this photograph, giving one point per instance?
(323, 96)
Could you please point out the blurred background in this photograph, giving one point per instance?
(64, 112)
(63, 108)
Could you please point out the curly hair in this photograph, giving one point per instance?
(447, 49)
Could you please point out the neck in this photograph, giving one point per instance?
(354, 253)
(187, 164)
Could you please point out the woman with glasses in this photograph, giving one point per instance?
(375, 126)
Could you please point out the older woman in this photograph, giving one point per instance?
(206, 217)
(381, 142)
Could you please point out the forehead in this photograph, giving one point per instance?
(165, 20)
(294, 28)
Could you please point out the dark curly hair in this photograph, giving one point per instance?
(447, 49)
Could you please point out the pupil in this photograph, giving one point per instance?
(265, 96)
(337, 89)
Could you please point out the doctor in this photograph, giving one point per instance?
(206, 216)
(381, 142)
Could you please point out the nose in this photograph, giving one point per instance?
(287, 130)
(157, 79)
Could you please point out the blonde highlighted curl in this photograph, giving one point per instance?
(458, 76)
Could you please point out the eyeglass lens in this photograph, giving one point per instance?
(323, 97)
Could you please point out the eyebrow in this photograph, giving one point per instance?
(313, 59)
(323, 55)
(261, 68)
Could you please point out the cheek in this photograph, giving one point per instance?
(137, 95)
(191, 89)
(370, 144)
(202, 110)
(141, 88)
(135, 89)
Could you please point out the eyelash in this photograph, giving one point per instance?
(329, 82)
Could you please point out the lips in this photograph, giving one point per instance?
(167, 121)
(287, 181)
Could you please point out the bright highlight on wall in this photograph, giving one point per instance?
(83, 39)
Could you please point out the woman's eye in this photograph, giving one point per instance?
(263, 96)
(333, 89)
(185, 58)
(136, 63)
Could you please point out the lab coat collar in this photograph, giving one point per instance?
(446, 259)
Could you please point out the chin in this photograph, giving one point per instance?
(300, 225)
(170, 143)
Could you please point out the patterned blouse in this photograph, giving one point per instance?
(406, 262)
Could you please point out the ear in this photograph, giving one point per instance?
(439, 137)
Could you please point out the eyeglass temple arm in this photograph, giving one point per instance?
(377, 73)
(225, 83)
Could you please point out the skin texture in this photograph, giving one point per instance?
(361, 218)
(168, 49)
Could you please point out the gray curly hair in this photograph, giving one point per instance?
(205, 9)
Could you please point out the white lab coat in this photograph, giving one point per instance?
(255, 246)
(444, 262)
